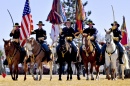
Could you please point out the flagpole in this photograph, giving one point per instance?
(113, 13)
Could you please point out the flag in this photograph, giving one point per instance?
(80, 16)
(26, 23)
(55, 32)
(124, 33)
(56, 15)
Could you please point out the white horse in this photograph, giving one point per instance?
(111, 55)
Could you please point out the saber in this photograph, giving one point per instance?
(11, 17)
(113, 13)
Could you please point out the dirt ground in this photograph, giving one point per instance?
(46, 81)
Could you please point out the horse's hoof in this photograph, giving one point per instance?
(60, 79)
(87, 79)
(50, 78)
(78, 78)
(92, 79)
(35, 79)
(70, 78)
(67, 78)
(24, 79)
(108, 78)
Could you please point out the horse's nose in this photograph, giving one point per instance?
(108, 42)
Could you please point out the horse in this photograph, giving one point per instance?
(66, 55)
(38, 56)
(88, 55)
(111, 56)
(14, 57)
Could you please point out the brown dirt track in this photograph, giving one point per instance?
(45, 81)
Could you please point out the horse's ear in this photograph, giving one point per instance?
(105, 30)
(4, 40)
(10, 40)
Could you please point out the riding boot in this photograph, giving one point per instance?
(5, 62)
(120, 57)
(48, 56)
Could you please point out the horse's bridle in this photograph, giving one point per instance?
(86, 50)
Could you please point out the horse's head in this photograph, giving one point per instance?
(86, 40)
(64, 44)
(108, 38)
(30, 45)
(7, 46)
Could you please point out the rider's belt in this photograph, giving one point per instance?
(15, 40)
(41, 38)
(69, 38)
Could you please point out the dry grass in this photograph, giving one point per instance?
(45, 81)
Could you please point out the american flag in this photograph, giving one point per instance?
(26, 24)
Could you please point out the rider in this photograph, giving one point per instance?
(15, 33)
(117, 37)
(68, 33)
(93, 35)
(40, 37)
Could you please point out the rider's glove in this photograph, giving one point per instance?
(116, 38)
(91, 37)
(14, 28)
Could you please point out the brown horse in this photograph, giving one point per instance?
(37, 53)
(88, 54)
(13, 57)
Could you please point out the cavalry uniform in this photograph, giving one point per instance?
(68, 34)
(15, 33)
(40, 37)
(117, 37)
(93, 35)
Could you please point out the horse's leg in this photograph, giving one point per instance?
(70, 70)
(10, 67)
(97, 70)
(51, 64)
(107, 62)
(40, 70)
(60, 70)
(77, 65)
(86, 66)
(25, 70)
(91, 71)
(37, 71)
(122, 69)
(31, 70)
(17, 71)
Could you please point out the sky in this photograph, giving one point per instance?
(101, 15)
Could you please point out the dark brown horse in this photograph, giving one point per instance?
(88, 54)
(13, 57)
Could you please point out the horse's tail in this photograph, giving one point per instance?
(126, 61)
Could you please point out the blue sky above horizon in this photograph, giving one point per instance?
(101, 14)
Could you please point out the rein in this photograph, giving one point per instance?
(90, 52)
(87, 53)
(111, 52)
(38, 52)
(10, 57)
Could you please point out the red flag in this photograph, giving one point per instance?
(80, 15)
(124, 33)
(26, 24)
